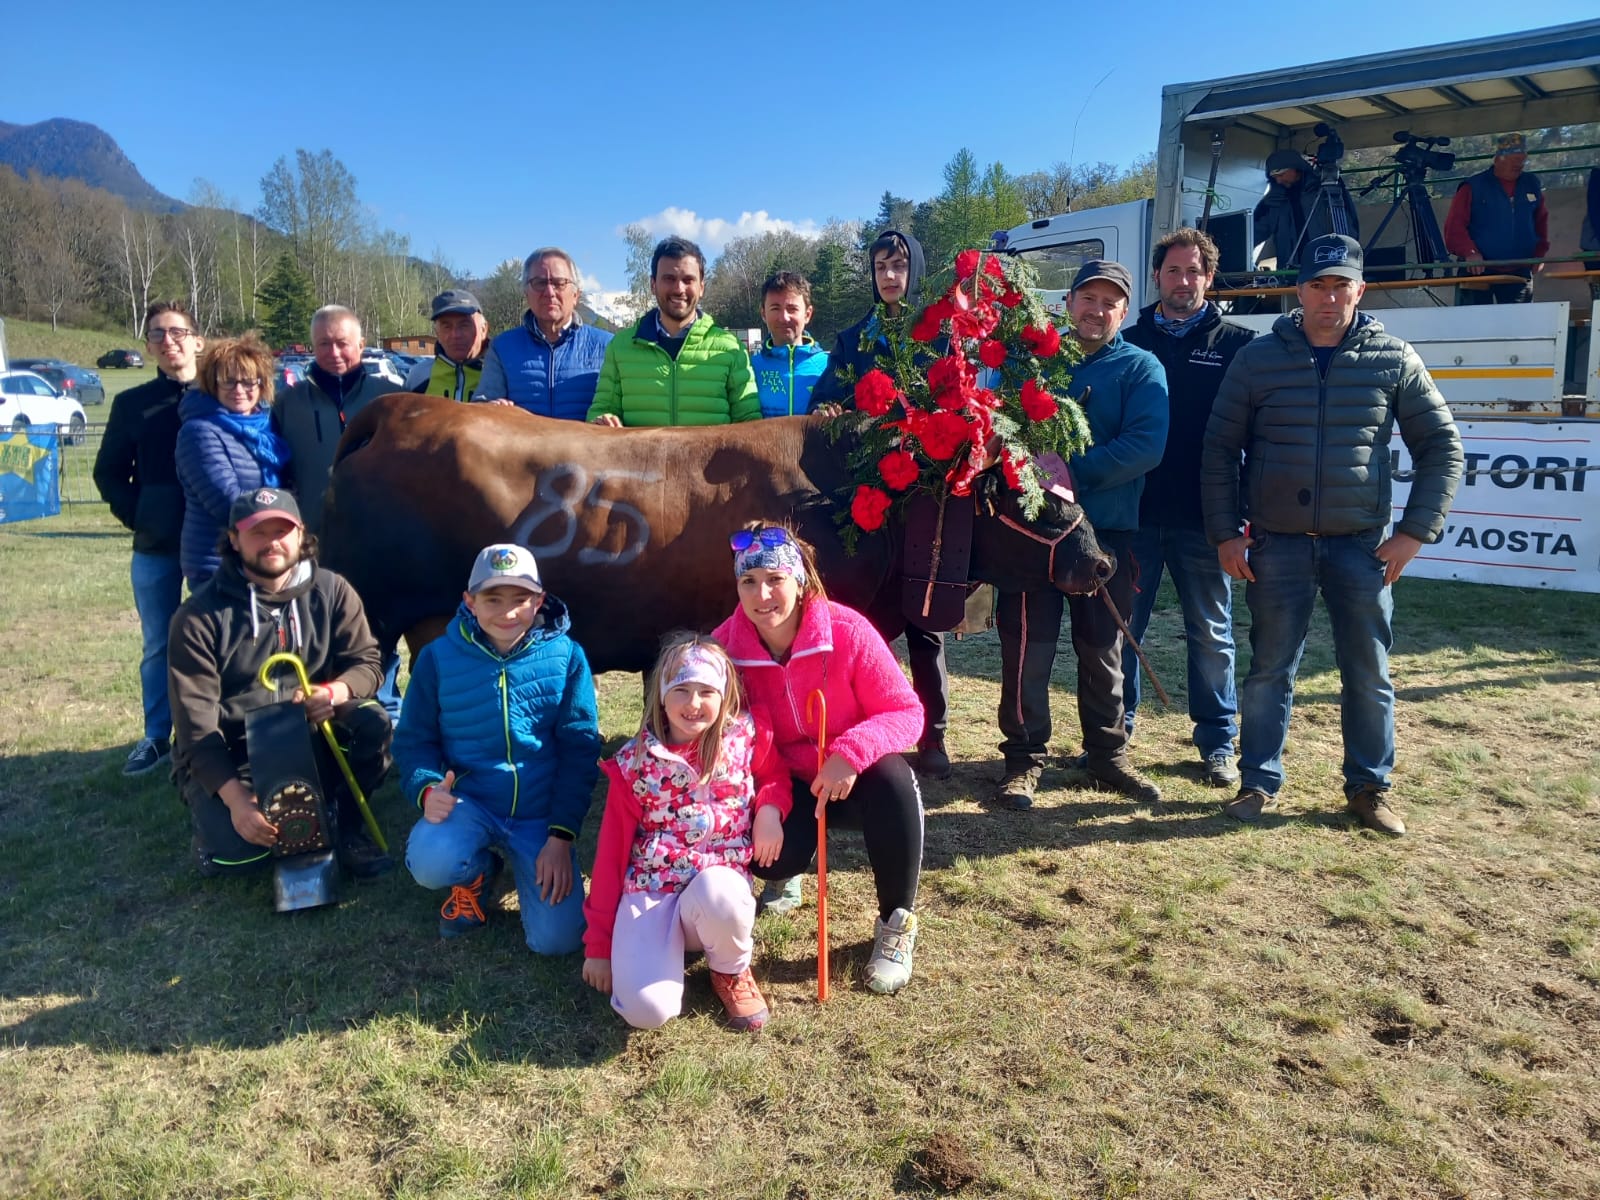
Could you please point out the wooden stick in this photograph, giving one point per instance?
(822, 847)
(1155, 680)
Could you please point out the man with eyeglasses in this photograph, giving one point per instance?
(136, 474)
(675, 365)
(550, 363)
(461, 336)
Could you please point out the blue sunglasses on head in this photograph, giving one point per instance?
(772, 536)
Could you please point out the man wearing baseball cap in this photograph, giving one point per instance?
(1123, 392)
(267, 597)
(461, 336)
(1499, 213)
(1296, 491)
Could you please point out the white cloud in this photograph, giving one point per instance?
(714, 233)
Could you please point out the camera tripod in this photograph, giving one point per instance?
(1425, 235)
(1331, 193)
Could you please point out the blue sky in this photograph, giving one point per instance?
(485, 129)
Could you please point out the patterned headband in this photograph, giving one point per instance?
(698, 664)
(785, 557)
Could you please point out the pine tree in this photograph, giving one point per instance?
(287, 302)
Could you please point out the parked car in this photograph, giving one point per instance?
(33, 364)
(27, 400)
(383, 367)
(120, 358)
(80, 383)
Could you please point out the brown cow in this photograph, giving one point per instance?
(630, 526)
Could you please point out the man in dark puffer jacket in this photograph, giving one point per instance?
(1312, 406)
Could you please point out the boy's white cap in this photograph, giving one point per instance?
(504, 563)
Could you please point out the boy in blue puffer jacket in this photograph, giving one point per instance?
(498, 743)
(790, 362)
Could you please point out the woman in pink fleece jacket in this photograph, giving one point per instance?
(787, 640)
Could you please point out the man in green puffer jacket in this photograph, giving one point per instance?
(1309, 410)
(675, 366)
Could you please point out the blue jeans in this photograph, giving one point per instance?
(389, 689)
(1290, 569)
(456, 851)
(157, 592)
(1206, 595)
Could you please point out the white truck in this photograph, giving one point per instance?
(1523, 380)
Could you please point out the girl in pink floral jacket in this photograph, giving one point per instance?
(693, 799)
(788, 640)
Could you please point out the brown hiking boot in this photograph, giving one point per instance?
(1370, 803)
(1116, 775)
(1248, 805)
(1017, 788)
(741, 999)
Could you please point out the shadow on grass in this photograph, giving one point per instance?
(109, 938)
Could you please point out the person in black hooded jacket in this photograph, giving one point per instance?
(897, 270)
(1195, 345)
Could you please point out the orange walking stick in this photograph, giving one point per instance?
(822, 847)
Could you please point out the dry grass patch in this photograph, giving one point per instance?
(1110, 1000)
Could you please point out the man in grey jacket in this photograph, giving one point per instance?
(1311, 407)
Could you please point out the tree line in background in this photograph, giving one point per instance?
(76, 255)
(975, 202)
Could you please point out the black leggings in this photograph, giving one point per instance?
(886, 807)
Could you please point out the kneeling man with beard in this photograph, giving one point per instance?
(269, 597)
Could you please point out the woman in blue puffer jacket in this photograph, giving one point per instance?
(225, 446)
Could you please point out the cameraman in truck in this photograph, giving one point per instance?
(1497, 214)
(1299, 206)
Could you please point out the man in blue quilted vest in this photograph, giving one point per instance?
(1497, 214)
(549, 364)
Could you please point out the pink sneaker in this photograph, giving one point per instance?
(742, 999)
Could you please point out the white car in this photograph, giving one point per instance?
(381, 365)
(26, 400)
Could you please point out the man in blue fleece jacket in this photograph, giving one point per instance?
(1123, 392)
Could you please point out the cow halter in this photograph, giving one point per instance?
(1050, 568)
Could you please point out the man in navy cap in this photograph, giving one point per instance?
(1123, 393)
(269, 596)
(460, 336)
(1306, 410)
(1500, 213)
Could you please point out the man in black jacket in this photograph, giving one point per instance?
(1195, 345)
(270, 596)
(135, 474)
(1312, 406)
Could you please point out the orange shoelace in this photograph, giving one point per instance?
(463, 902)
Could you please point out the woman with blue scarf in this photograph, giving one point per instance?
(225, 446)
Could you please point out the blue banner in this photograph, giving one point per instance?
(30, 474)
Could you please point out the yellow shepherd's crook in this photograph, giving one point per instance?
(333, 742)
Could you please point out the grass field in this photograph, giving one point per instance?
(35, 339)
(1110, 1001)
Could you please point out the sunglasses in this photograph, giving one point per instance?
(771, 537)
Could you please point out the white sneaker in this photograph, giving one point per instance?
(889, 968)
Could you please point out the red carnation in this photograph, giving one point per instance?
(1043, 342)
(927, 327)
(1039, 404)
(991, 266)
(967, 264)
(1011, 297)
(876, 393)
(949, 372)
(942, 434)
(869, 507)
(899, 469)
(1011, 467)
(991, 353)
(975, 323)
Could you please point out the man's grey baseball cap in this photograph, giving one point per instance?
(454, 301)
